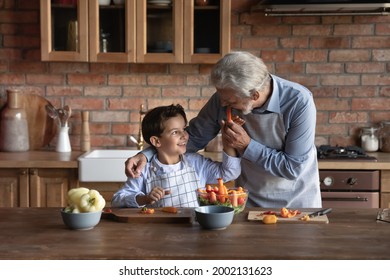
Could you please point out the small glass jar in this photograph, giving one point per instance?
(384, 137)
(369, 139)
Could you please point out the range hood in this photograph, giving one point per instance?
(322, 7)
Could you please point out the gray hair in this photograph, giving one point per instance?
(242, 72)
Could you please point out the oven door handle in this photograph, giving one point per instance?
(358, 198)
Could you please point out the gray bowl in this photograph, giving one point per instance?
(214, 217)
(81, 221)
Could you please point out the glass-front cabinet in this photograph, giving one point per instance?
(112, 31)
(160, 32)
(206, 30)
(64, 30)
(135, 31)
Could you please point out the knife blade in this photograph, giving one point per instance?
(320, 213)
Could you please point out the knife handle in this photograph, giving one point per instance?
(326, 211)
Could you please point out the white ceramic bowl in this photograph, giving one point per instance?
(214, 216)
(81, 221)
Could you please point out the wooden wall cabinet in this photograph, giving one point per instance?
(138, 32)
(36, 187)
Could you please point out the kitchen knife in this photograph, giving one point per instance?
(320, 213)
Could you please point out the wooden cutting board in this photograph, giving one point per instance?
(258, 216)
(41, 128)
(134, 215)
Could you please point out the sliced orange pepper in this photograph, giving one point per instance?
(222, 191)
(305, 218)
(284, 212)
(228, 113)
(169, 209)
(234, 198)
(145, 210)
(213, 197)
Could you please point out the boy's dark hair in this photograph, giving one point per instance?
(153, 121)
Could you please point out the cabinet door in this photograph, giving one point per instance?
(14, 187)
(206, 31)
(49, 186)
(112, 32)
(160, 32)
(385, 200)
(64, 31)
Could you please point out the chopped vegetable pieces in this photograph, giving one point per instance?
(169, 209)
(146, 210)
(286, 213)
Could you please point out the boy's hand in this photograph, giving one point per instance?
(156, 194)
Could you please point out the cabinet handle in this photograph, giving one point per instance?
(33, 171)
(23, 171)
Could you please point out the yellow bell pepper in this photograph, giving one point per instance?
(92, 202)
(84, 200)
(73, 198)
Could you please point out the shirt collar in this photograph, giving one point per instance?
(273, 103)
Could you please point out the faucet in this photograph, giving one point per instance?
(140, 142)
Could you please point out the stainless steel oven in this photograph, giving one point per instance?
(348, 188)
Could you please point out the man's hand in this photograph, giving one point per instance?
(134, 165)
(235, 136)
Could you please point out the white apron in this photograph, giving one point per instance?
(182, 184)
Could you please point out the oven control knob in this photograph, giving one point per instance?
(351, 181)
(328, 181)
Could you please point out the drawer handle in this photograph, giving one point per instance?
(358, 198)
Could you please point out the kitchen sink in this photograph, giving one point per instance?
(104, 165)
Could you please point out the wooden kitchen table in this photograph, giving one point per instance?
(39, 233)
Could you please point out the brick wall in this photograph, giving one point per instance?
(344, 60)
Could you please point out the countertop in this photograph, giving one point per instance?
(39, 233)
(52, 159)
(39, 159)
(382, 163)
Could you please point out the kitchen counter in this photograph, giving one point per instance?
(39, 159)
(52, 159)
(382, 163)
(39, 233)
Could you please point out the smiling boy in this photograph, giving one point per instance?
(172, 177)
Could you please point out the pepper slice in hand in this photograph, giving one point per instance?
(228, 113)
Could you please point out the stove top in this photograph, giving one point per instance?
(343, 153)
